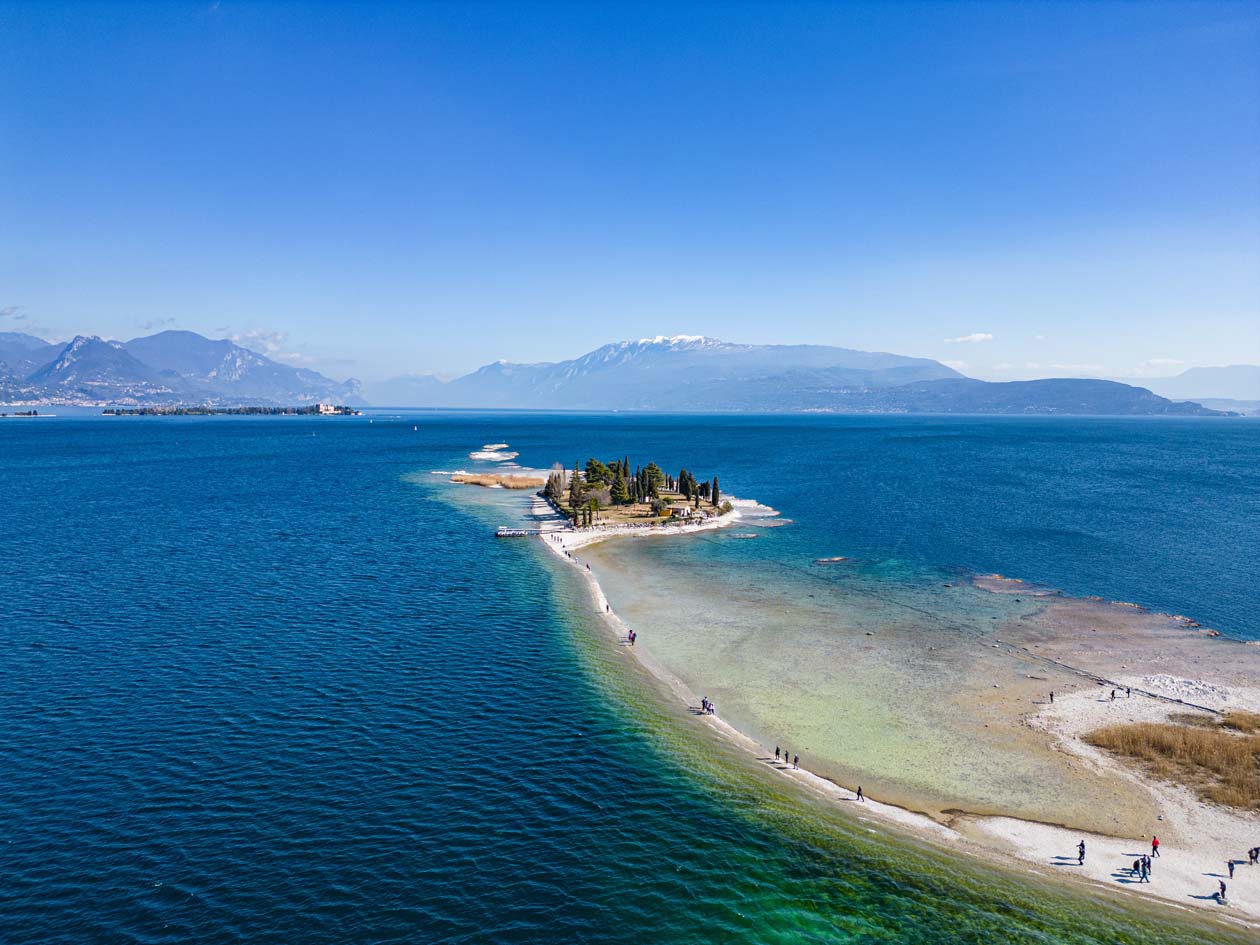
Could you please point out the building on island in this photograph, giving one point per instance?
(326, 409)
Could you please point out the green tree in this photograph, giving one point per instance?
(575, 489)
(716, 494)
(597, 472)
(620, 493)
(655, 479)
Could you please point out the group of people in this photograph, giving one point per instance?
(794, 760)
(1142, 869)
(707, 706)
(1142, 865)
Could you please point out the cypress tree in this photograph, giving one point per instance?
(575, 489)
(716, 494)
(619, 493)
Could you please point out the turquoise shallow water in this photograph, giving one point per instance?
(261, 682)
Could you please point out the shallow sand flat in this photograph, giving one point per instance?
(1114, 639)
(909, 710)
(1197, 838)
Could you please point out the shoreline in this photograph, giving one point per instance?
(1042, 849)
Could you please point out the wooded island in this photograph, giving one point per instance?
(611, 494)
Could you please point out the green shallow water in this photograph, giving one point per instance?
(781, 866)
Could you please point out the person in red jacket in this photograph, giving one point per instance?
(1154, 846)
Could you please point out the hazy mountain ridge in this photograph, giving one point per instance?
(681, 373)
(1063, 396)
(688, 373)
(1231, 382)
(170, 367)
(685, 372)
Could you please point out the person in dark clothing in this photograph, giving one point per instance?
(860, 796)
(796, 761)
(1230, 864)
(1220, 896)
(1080, 853)
(776, 754)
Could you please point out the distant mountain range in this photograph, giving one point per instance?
(171, 367)
(682, 373)
(691, 373)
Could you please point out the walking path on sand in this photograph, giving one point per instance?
(1183, 876)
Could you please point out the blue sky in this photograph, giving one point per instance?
(382, 189)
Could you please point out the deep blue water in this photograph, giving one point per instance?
(261, 680)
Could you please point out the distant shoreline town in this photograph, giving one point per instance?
(312, 410)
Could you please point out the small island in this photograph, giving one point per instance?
(604, 494)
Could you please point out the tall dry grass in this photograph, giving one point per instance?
(506, 480)
(1221, 762)
(1241, 721)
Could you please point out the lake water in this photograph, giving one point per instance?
(265, 680)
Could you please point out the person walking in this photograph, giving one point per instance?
(1154, 846)
(1080, 853)
(860, 796)
(1146, 861)
(796, 762)
(1128, 692)
(1230, 864)
(1052, 697)
(1220, 896)
(776, 754)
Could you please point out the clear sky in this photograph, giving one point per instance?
(377, 189)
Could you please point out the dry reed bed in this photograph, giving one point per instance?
(506, 480)
(1220, 760)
